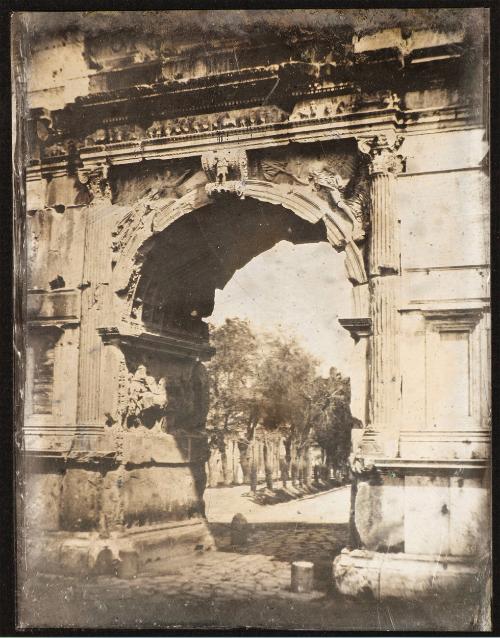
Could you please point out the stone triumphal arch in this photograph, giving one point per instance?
(138, 210)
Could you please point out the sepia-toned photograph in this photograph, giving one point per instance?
(251, 255)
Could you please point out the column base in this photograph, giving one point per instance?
(403, 576)
(123, 553)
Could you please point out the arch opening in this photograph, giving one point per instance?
(199, 253)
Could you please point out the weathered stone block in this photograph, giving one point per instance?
(80, 499)
(158, 493)
(402, 575)
(239, 530)
(379, 515)
(42, 501)
(128, 565)
(427, 515)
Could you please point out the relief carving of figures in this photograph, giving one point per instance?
(340, 178)
(168, 192)
(147, 399)
(243, 118)
(190, 397)
(272, 168)
(170, 183)
(324, 107)
(226, 169)
(348, 195)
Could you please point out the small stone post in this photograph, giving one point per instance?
(239, 530)
(302, 577)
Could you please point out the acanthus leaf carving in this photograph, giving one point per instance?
(96, 179)
(381, 153)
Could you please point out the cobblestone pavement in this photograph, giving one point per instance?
(248, 586)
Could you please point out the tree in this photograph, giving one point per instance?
(266, 385)
(232, 374)
(333, 420)
(285, 381)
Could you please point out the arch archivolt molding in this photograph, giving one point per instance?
(308, 187)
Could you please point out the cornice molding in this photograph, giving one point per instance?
(335, 127)
(164, 344)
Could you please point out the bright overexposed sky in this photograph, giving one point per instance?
(300, 289)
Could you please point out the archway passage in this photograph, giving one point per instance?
(183, 267)
(200, 252)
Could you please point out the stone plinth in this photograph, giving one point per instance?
(422, 528)
(401, 575)
(119, 553)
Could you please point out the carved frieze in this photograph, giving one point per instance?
(323, 107)
(339, 105)
(238, 119)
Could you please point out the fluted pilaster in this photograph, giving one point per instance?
(94, 300)
(384, 282)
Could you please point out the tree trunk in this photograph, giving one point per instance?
(300, 463)
(234, 459)
(285, 468)
(294, 465)
(226, 473)
(308, 467)
(253, 467)
(213, 479)
(244, 449)
(268, 467)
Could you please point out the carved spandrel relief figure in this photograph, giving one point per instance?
(131, 223)
(170, 182)
(272, 169)
(348, 194)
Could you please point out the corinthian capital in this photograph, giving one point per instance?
(96, 179)
(381, 153)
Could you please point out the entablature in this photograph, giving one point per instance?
(251, 137)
